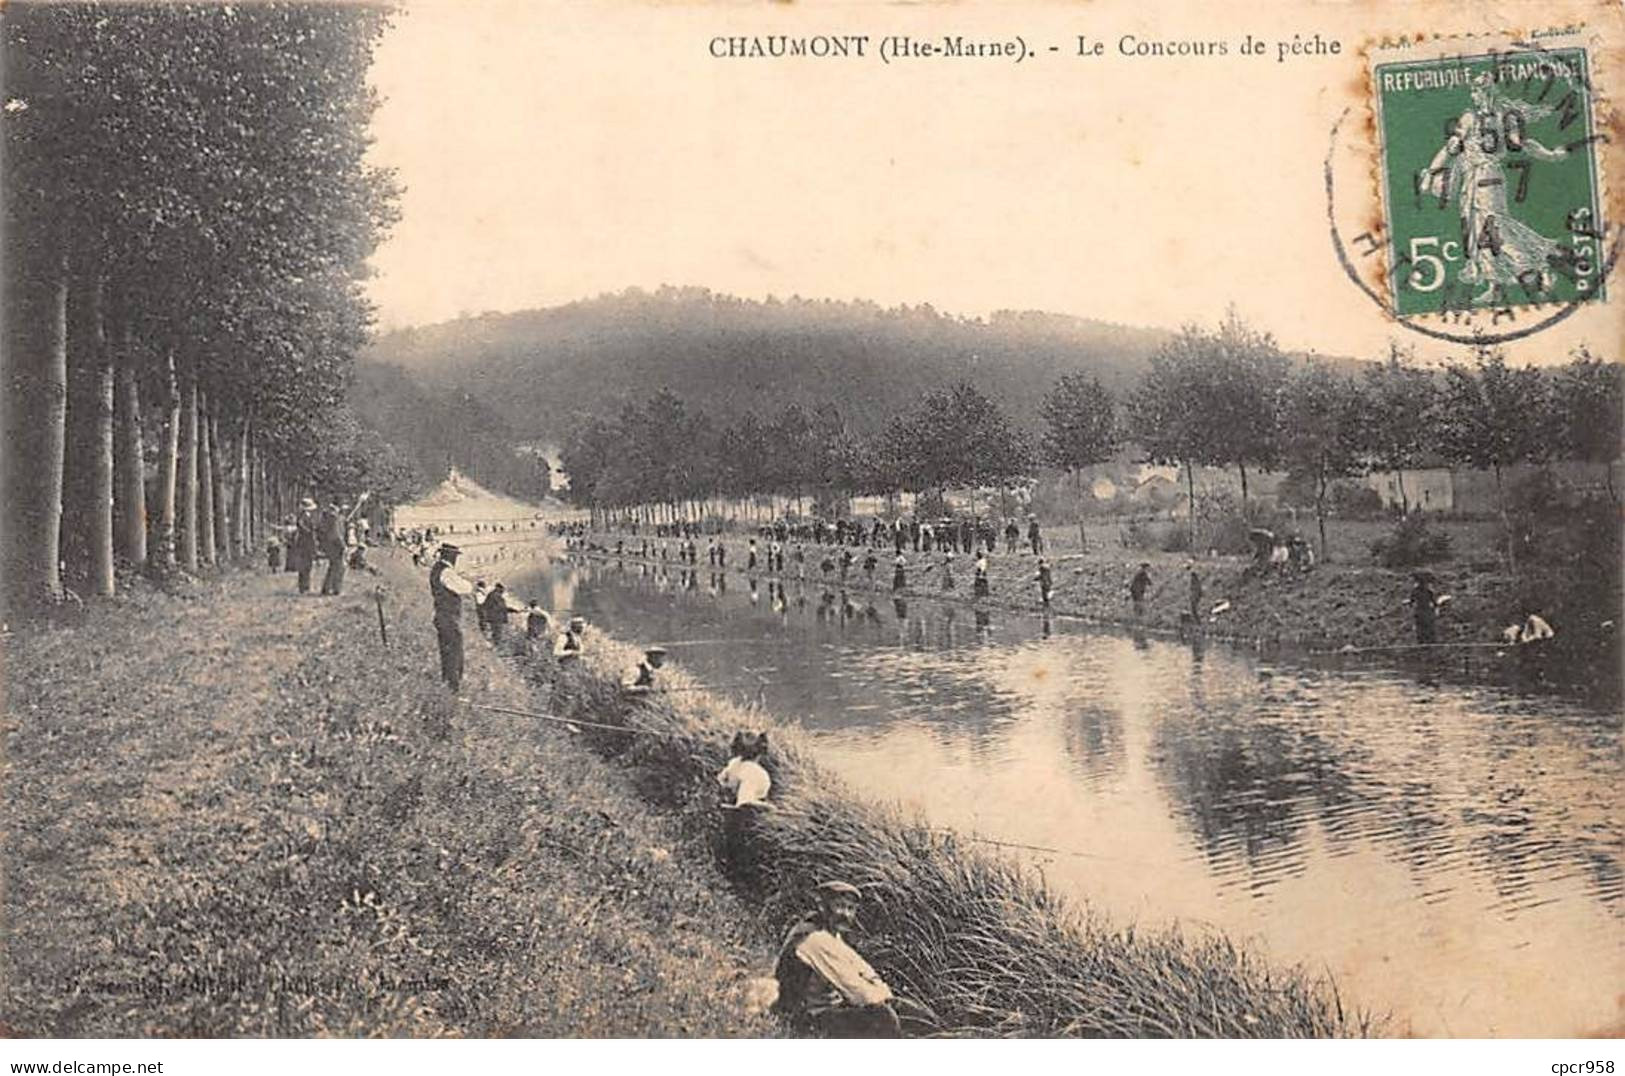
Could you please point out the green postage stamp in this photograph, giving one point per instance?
(1488, 172)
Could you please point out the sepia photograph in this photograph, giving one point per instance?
(545, 520)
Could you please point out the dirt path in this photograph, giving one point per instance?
(235, 813)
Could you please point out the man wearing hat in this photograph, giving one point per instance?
(447, 588)
(643, 680)
(824, 985)
(302, 551)
(330, 530)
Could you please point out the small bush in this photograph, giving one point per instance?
(1411, 542)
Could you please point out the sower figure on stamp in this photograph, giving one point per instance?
(447, 588)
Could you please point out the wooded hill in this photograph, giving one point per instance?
(542, 369)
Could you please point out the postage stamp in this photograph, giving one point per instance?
(1488, 173)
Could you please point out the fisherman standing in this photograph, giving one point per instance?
(447, 588)
(331, 532)
(494, 611)
(979, 584)
(1035, 537)
(1138, 586)
(1046, 581)
(1425, 609)
(537, 624)
(898, 577)
(302, 550)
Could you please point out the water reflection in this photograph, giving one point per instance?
(1451, 853)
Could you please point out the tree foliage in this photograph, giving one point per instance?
(1080, 424)
(1398, 419)
(195, 173)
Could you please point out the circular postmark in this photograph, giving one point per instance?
(1472, 211)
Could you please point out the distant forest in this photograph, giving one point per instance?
(541, 370)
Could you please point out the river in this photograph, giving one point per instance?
(1450, 854)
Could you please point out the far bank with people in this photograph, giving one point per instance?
(1462, 619)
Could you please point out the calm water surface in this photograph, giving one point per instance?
(1452, 855)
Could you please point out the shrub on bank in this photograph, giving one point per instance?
(1412, 542)
(974, 937)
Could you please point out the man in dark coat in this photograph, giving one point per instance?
(494, 611)
(1425, 608)
(447, 588)
(330, 533)
(302, 551)
(1138, 586)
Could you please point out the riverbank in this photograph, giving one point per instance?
(1338, 613)
(949, 921)
(232, 812)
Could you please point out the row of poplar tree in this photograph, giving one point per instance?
(188, 212)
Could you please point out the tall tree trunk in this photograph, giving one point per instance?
(99, 516)
(1083, 536)
(1506, 522)
(36, 405)
(205, 482)
(1322, 486)
(1190, 504)
(241, 486)
(256, 471)
(130, 492)
(189, 467)
(1399, 483)
(1242, 467)
(217, 478)
(168, 470)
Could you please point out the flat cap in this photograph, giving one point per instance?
(845, 889)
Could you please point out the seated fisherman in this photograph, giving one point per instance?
(825, 987)
(568, 646)
(643, 679)
(743, 778)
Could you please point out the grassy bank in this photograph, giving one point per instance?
(231, 812)
(974, 936)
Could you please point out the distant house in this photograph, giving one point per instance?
(1428, 489)
(1472, 492)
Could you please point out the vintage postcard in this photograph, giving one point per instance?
(824, 519)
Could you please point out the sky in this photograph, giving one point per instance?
(555, 151)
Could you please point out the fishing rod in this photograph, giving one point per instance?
(574, 722)
(1471, 645)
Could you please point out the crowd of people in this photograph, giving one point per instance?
(337, 534)
(834, 553)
